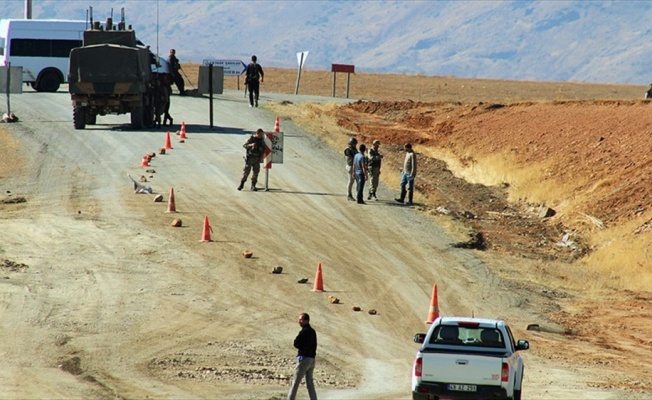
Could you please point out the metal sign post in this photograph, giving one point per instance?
(301, 58)
(349, 69)
(8, 86)
(210, 93)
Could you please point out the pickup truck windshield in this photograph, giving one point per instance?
(467, 336)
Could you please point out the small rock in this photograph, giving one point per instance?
(176, 222)
(333, 300)
(161, 150)
(356, 308)
(150, 171)
(247, 254)
(277, 270)
(143, 178)
(158, 198)
(373, 312)
(303, 280)
(546, 212)
(151, 155)
(182, 141)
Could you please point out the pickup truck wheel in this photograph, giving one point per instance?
(48, 82)
(137, 117)
(517, 395)
(79, 117)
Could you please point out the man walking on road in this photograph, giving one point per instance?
(409, 173)
(253, 76)
(375, 159)
(349, 153)
(175, 70)
(306, 344)
(360, 172)
(255, 146)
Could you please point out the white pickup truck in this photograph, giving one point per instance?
(468, 358)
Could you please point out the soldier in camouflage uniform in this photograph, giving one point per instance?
(375, 159)
(255, 146)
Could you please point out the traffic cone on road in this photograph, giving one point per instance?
(168, 143)
(182, 135)
(319, 283)
(145, 161)
(433, 314)
(277, 125)
(206, 234)
(171, 206)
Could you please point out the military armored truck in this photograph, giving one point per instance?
(111, 74)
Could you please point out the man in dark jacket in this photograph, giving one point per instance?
(306, 343)
(255, 146)
(254, 75)
(175, 70)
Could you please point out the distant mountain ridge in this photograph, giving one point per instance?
(580, 41)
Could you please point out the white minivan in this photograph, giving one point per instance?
(42, 47)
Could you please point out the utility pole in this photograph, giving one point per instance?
(28, 9)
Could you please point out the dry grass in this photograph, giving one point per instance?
(395, 87)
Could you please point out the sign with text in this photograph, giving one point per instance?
(231, 67)
(273, 148)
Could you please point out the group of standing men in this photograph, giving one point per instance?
(361, 165)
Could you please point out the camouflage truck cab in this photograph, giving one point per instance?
(111, 74)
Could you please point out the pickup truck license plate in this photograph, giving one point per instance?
(463, 388)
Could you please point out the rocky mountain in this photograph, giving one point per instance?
(580, 41)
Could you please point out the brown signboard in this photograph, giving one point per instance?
(343, 68)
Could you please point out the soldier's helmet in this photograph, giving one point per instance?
(353, 141)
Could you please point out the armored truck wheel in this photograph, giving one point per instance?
(91, 119)
(79, 117)
(137, 117)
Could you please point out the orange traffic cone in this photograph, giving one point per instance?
(145, 161)
(319, 283)
(433, 314)
(277, 125)
(183, 131)
(206, 234)
(168, 144)
(171, 206)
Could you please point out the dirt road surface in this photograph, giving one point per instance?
(100, 297)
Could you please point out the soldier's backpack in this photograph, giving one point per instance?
(253, 72)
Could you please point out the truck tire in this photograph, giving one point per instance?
(48, 82)
(517, 395)
(137, 117)
(79, 117)
(91, 119)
